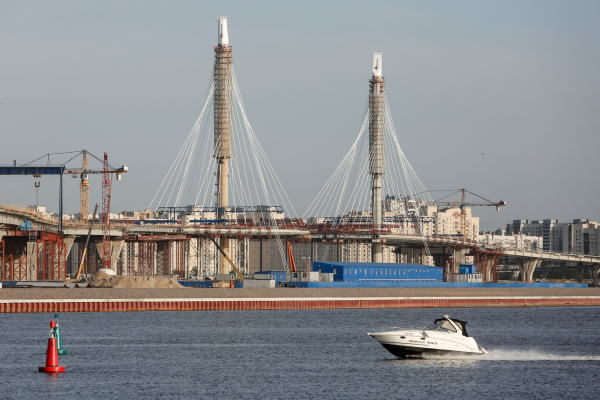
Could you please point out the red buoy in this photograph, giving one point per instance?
(52, 354)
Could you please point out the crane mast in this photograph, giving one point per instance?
(106, 189)
(84, 190)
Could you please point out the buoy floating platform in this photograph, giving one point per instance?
(52, 354)
(59, 350)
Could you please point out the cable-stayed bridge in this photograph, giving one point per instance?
(222, 184)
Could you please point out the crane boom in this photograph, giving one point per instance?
(291, 257)
(84, 207)
(87, 241)
(237, 271)
(458, 204)
(463, 205)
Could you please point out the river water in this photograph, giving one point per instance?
(534, 353)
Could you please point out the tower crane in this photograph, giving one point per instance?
(463, 207)
(84, 190)
(83, 172)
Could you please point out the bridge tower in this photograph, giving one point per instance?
(376, 150)
(222, 132)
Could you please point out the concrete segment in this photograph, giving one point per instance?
(527, 267)
(32, 260)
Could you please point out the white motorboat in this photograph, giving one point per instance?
(447, 336)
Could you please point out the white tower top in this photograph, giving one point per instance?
(377, 64)
(223, 37)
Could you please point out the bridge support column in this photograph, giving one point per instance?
(580, 272)
(160, 257)
(224, 267)
(68, 240)
(98, 244)
(458, 257)
(115, 250)
(527, 266)
(32, 261)
(595, 269)
(544, 270)
(563, 270)
(423, 258)
(409, 254)
(191, 255)
(377, 252)
(489, 267)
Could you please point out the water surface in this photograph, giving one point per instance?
(537, 353)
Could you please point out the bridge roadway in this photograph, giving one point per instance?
(527, 260)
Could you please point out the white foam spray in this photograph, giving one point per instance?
(517, 355)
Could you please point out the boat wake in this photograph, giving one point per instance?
(516, 355)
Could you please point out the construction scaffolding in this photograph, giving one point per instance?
(150, 255)
(32, 255)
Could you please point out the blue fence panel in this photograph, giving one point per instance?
(432, 284)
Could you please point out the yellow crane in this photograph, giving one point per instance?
(84, 196)
(84, 172)
(87, 242)
(237, 271)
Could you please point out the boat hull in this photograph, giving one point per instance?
(419, 352)
(415, 343)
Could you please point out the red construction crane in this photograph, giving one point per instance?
(106, 189)
(291, 258)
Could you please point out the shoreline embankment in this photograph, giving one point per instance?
(34, 300)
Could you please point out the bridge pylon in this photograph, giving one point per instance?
(222, 133)
(376, 150)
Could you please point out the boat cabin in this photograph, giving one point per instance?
(452, 325)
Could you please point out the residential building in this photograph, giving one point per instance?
(577, 237)
(517, 241)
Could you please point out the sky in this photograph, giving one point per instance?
(501, 98)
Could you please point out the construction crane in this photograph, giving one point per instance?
(106, 190)
(237, 271)
(463, 206)
(291, 257)
(87, 242)
(84, 208)
(37, 171)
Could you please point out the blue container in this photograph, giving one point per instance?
(468, 269)
(433, 284)
(380, 272)
(277, 276)
(202, 284)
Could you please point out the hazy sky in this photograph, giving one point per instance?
(516, 80)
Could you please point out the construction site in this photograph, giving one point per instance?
(241, 230)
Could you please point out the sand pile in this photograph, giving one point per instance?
(103, 280)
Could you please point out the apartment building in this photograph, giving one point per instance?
(577, 237)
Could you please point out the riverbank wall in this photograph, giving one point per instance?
(225, 299)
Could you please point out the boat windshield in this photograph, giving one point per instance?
(439, 328)
(446, 324)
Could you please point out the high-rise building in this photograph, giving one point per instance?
(577, 237)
